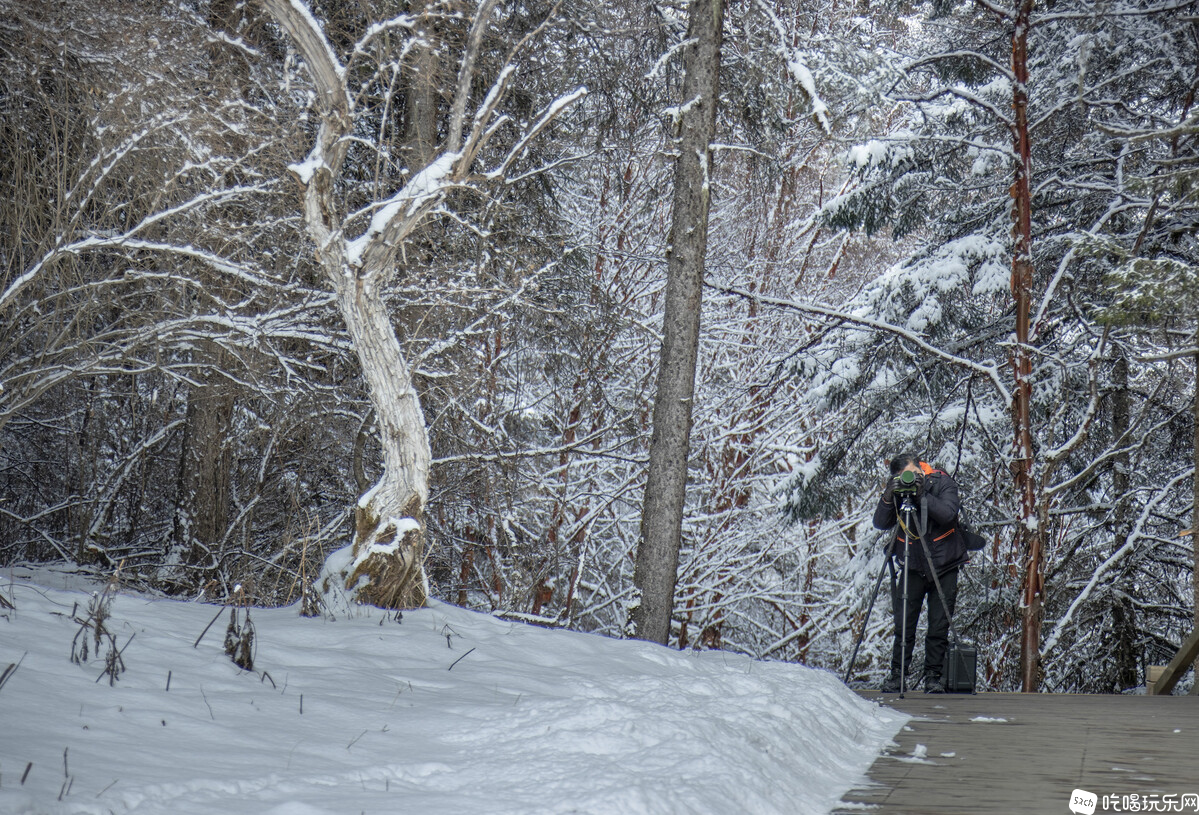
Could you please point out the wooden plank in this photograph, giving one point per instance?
(1004, 753)
(1178, 666)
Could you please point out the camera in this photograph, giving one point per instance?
(906, 482)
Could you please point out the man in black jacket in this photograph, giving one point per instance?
(935, 498)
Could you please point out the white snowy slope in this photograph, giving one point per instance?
(527, 720)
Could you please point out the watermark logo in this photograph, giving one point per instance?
(1135, 802)
(1083, 802)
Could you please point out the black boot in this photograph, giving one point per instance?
(891, 683)
(933, 683)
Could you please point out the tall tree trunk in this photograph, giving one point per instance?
(1031, 532)
(424, 91)
(202, 508)
(205, 465)
(656, 568)
(1124, 629)
(1195, 504)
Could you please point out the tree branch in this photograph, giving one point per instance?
(989, 371)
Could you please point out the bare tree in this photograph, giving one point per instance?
(146, 319)
(389, 540)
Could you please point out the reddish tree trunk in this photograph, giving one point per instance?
(1031, 531)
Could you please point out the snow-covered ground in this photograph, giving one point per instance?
(446, 711)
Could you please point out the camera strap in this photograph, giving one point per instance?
(922, 527)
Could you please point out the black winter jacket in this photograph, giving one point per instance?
(945, 542)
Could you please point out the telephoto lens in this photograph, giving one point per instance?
(907, 482)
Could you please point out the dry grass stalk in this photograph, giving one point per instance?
(239, 636)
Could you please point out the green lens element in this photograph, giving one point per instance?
(907, 478)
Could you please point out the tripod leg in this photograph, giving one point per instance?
(866, 619)
(903, 642)
(928, 557)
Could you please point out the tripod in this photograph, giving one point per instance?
(887, 566)
(907, 519)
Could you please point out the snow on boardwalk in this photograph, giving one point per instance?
(448, 711)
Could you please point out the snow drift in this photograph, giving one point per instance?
(442, 711)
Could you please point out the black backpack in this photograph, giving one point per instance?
(974, 541)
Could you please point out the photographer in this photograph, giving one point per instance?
(934, 495)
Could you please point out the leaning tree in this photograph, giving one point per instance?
(358, 239)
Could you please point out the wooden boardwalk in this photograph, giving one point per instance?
(1025, 753)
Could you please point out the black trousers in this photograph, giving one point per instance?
(936, 642)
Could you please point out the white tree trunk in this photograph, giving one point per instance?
(384, 563)
(388, 545)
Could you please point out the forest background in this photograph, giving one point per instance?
(961, 229)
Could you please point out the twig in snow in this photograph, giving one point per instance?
(25, 774)
(196, 644)
(94, 625)
(204, 696)
(11, 669)
(106, 789)
(114, 662)
(354, 740)
(459, 659)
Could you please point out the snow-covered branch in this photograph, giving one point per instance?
(548, 115)
(309, 37)
(1097, 577)
(988, 371)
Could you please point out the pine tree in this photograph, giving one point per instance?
(997, 109)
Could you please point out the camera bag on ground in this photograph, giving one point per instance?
(961, 668)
